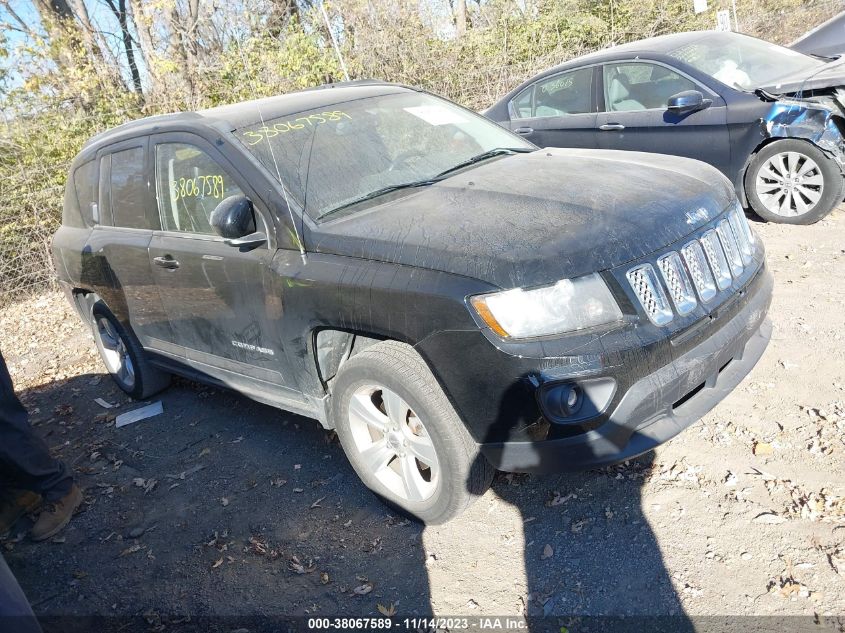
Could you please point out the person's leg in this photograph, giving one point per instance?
(24, 457)
(15, 613)
(26, 461)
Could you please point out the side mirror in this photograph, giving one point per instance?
(687, 101)
(234, 220)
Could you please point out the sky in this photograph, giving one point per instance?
(100, 15)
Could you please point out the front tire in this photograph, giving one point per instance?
(403, 437)
(124, 357)
(793, 182)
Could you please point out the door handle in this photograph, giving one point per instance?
(609, 127)
(166, 262)
(524, 130)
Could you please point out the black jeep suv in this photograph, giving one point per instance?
(445, 295)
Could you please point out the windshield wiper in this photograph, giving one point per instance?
(377, 193)
(496, 151)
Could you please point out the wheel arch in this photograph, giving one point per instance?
(331, 347)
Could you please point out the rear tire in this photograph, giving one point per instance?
(124, 357)
(403, 437)
(792, 181)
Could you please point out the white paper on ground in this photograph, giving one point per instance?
(103, 403)
(136, 415)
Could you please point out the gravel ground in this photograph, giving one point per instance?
(222, 506)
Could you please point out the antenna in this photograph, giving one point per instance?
(334, 41)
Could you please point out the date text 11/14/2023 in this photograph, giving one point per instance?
(480, 623)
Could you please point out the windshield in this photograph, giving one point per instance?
(328, 159)
(744, 62)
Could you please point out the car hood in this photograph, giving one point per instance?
(531, 219)
(830, 75)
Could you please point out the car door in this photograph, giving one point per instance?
(223, 312)
(558, 111)
(635, 116)
(117, 249)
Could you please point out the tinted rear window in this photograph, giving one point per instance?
(81, 196)
(127, 189)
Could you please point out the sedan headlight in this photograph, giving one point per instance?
(568, 305)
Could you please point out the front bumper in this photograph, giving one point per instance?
(661, 404)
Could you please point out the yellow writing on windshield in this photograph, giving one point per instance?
(300, 123)
(209, 186)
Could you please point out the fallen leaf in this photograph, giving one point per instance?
(768, 518)
(324, 578)
(388, 611)
(147, 484)
(297, 567)
(548, 552)
(136, 547)
(364, 589)
(557, 500)
(763, 448)
(217, 563)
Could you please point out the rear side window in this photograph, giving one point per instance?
(189, 185)
(127, 189)
(81, 196)
(567, 93)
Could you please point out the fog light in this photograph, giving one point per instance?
(573, 400)
(565, 402)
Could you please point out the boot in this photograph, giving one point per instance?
(14, 504)
(56, 515)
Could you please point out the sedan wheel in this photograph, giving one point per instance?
(792, 181)
(789, 184)
(115, 354)
(393, 443)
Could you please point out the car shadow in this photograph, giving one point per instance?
(591, 559)
(220, 511)
(224, 510)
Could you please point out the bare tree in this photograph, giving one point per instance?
(118, 8)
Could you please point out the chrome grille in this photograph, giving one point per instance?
(696, 272)
(716, 258)
(646, 286)
(742, 232)
(726, 234)
(697, 265)
(678, 283)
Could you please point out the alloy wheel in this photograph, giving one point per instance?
(393, 443)
(789, 184)
(115, 353)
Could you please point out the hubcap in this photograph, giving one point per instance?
(115, 354)
(789, 184)
(393, 443)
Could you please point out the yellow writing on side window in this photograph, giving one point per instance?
(210, 186)
(300, 123)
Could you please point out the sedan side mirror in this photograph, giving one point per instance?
(687, 101)
(234, 220)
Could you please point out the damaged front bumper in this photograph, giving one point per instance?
(661, 404)
(642, 384)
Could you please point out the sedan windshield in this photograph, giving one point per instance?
(332, 159)
(744, 62)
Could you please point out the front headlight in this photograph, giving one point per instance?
(568, 305)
